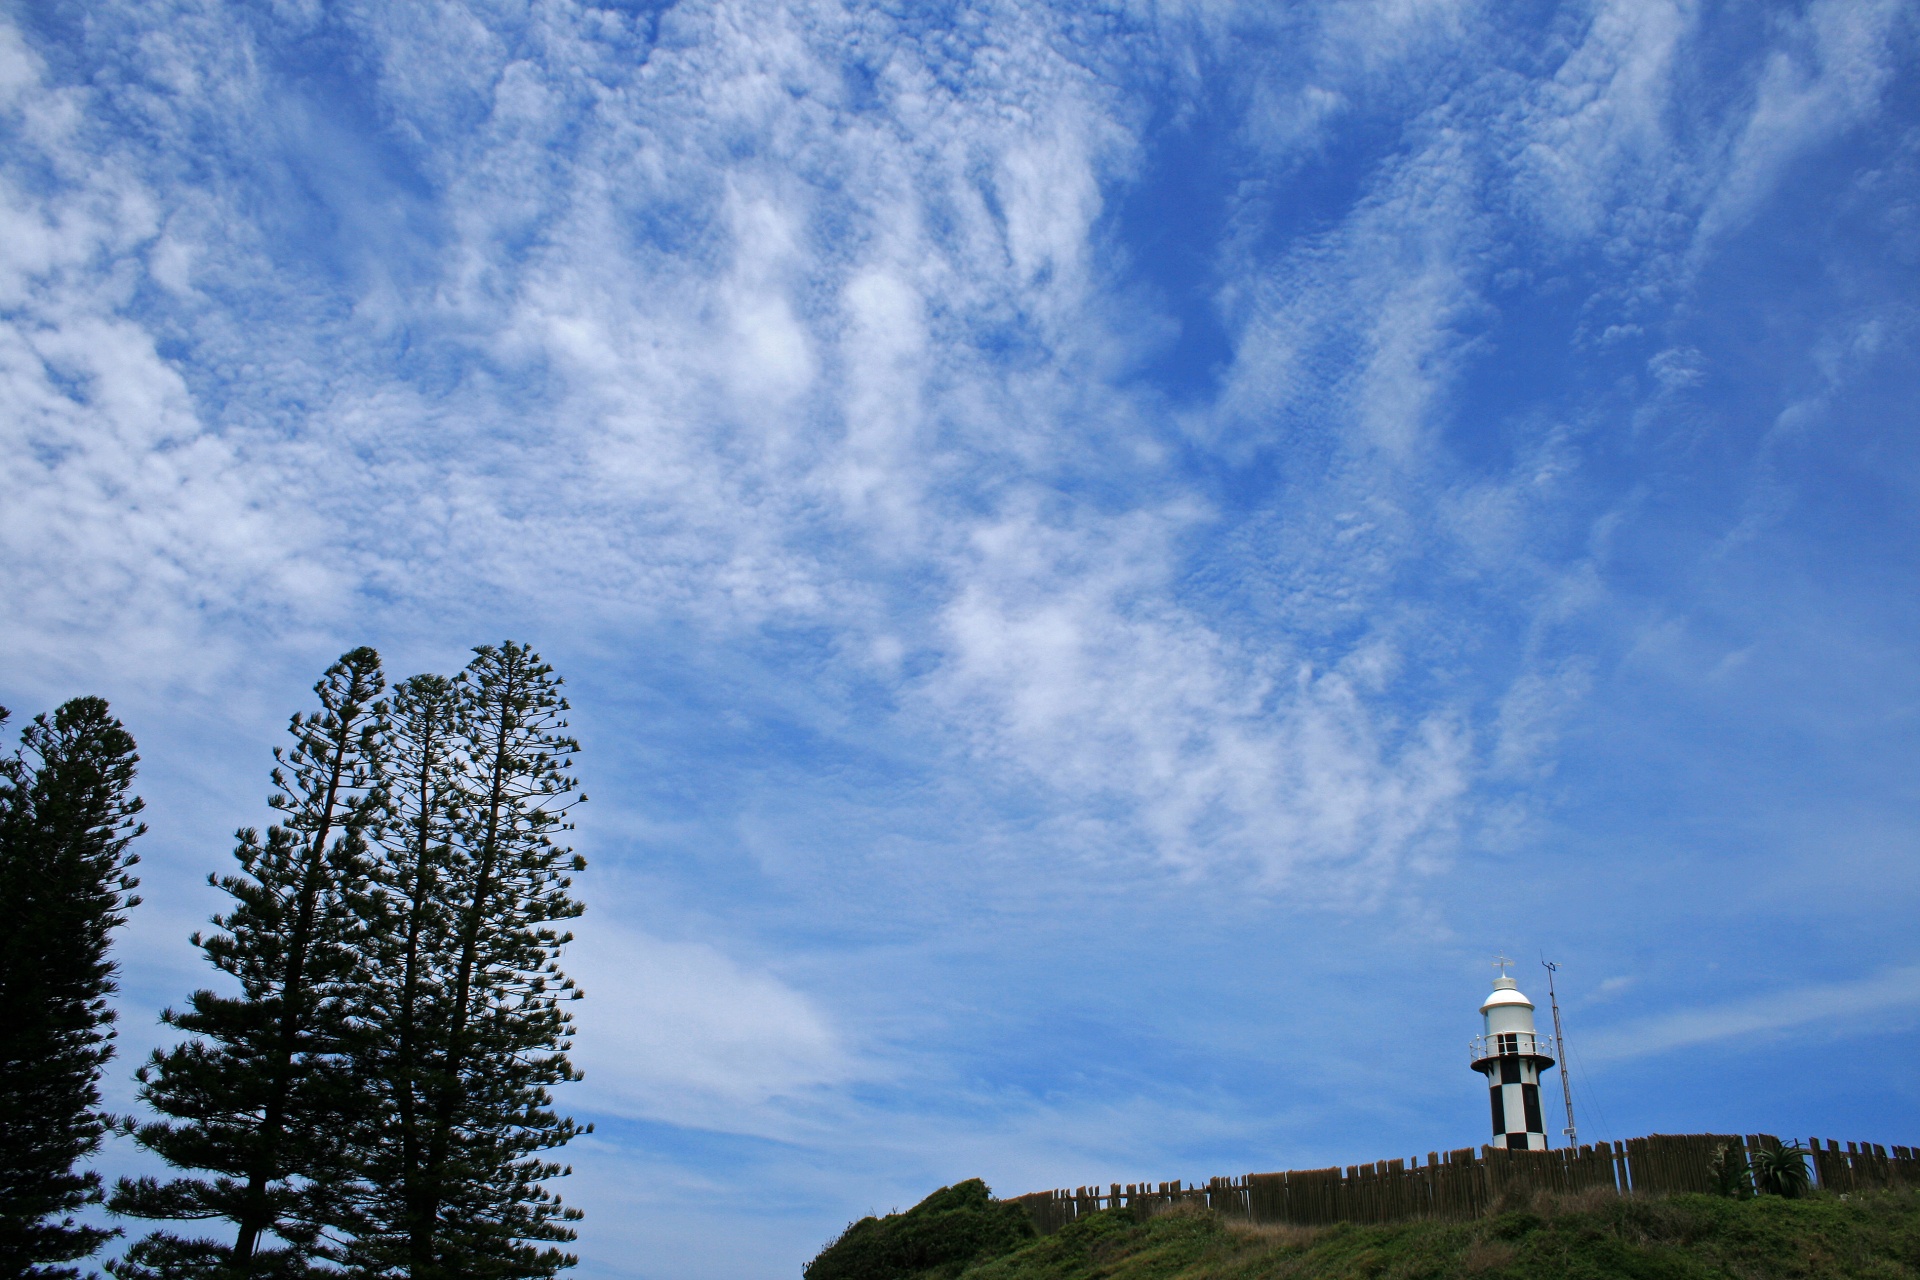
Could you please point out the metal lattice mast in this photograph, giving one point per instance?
(1560, 1051)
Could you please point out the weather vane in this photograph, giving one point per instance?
(1503, 964)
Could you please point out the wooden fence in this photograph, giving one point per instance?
(1466, 1183)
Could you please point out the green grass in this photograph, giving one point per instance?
(1864, 1237)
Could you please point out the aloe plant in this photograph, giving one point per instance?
(1782, 1171)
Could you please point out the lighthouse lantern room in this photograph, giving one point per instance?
(1511, 1056)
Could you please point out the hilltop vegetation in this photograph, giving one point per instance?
(1587, 1237)
(940, 1236)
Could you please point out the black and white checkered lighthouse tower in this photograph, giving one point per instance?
(1511, 1057)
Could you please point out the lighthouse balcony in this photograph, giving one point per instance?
(1512, 1044)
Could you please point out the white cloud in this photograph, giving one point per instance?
(1676, 368)
(1066, 659)
(1820, 1009)
(739, 342)
(753, 417)
(1531, 713)
(127, 520)
(1825, 76)
(20, 68)
(1615, 153)
(1592, 147)
(681, 1032)
(836, 392)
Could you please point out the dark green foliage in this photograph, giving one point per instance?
(261, 1096)
(1589, 1237)
(376, 1096)
(938, 1237)
(1782, 1171)
(406, 950)
(467, 1028)
(66, 821)
(1731, 1176)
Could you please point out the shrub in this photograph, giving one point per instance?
(954, 1226)
(1731, 1176)
(1783, 1171)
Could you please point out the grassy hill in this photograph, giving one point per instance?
(1875, 1235)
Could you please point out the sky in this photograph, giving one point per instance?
(1107, 558)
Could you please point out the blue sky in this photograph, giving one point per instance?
(1107, 558)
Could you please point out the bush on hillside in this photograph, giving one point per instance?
(1783, 1171)
(1731, 1176)
(951, 1228)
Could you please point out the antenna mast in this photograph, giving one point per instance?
(1560, 1048)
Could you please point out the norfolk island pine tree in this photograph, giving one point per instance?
(66, 824)
(480, 1208)
(406, 968)
(261, 1097)
(408, 961)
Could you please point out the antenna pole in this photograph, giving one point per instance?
(1560, 1047)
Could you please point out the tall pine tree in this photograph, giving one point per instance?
(490, 1027)
(66, 821)
(261, 1097)
(408, 948)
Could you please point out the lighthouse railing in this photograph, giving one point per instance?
(1504, 1044)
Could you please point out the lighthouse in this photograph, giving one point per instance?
(1511, 1056)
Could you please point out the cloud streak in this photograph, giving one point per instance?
(681, 1032)
(1814, 1009)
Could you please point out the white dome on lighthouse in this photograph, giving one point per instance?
(1505, 991)
(1507, 1009)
